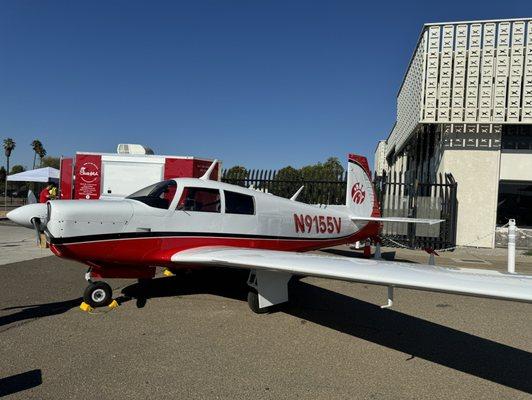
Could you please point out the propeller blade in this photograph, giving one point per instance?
(36, 222)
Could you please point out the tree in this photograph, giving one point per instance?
(2, 174)
(50, 161)
(236, 172)
(17, 169)
(9, 146)
(286, 181)
(41, 153)
(333, 167)
(17, 185)
(36, 145)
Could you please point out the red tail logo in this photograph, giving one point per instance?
(358, 194)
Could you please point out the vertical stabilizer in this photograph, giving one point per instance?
(361, 200)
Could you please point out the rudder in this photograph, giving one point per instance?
(360, 194)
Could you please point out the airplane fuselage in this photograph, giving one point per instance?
(145, 232)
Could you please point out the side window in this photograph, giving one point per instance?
(199, 199)
(237, 203)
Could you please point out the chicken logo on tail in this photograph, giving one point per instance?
(357, 193)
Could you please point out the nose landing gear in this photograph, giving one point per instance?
(97, 294)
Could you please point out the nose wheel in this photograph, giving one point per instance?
(98, 294)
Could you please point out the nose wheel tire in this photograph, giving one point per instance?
(98, 294)
(253, 303)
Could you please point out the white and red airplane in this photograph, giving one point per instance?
(189, 223)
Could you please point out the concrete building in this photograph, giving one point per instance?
(465, 107)
(380, 163)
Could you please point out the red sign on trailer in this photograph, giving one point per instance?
(88, 173)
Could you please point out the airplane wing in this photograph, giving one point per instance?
(398, 219)
(466, 281)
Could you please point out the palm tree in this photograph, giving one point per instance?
(36, 146)
(9, 146)
(41, 153)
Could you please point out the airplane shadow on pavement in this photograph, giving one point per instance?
(32, 311)
(216, 281)
(20, 382)
(417, 337)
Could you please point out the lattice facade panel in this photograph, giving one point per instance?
(516, 72)
(459, 74)
(486, 73)
(527, 78)
(473, 73)
(411, 97)
(433, 66)
(501, 72)
(446, 73)
(477, 72)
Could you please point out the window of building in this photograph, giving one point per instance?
(158, 195)
(516, 137)
(237, 203)
(515, 201)
(199, 199)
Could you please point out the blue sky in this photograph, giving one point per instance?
(258, 83)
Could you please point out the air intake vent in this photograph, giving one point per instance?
(133, 149)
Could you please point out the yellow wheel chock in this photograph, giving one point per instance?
(85, 307)
(113, 304)
(167, 272)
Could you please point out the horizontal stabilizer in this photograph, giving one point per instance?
(473, 282)
(399, 219)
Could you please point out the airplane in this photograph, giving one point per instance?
(185, 223)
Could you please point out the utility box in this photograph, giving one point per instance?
(107, 175)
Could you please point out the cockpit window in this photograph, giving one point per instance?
(158, 195)
(199, 199)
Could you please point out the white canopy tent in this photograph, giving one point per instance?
(46, 174)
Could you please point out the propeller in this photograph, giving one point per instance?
(36, 222)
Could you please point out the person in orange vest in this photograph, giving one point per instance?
(44, 196)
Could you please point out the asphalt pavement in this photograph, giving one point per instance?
(195, 338)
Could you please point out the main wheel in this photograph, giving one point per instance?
(98, 294)
(253, 302)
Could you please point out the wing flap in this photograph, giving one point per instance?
(473, 282)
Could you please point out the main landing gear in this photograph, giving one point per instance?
(266, 289)
(253, 303)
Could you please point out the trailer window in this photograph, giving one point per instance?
(199, 199)
(238, 203)
(158, 195)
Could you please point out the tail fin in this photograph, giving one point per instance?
(360, 198)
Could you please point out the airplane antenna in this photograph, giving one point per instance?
(294, 197)
(208, 173)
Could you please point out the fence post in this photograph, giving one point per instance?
(511, 246)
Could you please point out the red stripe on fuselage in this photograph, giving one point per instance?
(152, 251)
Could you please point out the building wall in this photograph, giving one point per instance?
(516, 166)
(380, 162)
(477, 174)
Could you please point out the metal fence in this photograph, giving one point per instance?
(325, 188)
(401, 197)
(397, 196)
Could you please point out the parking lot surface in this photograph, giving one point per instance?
(195, 338)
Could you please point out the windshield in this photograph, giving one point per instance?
(158, 195)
